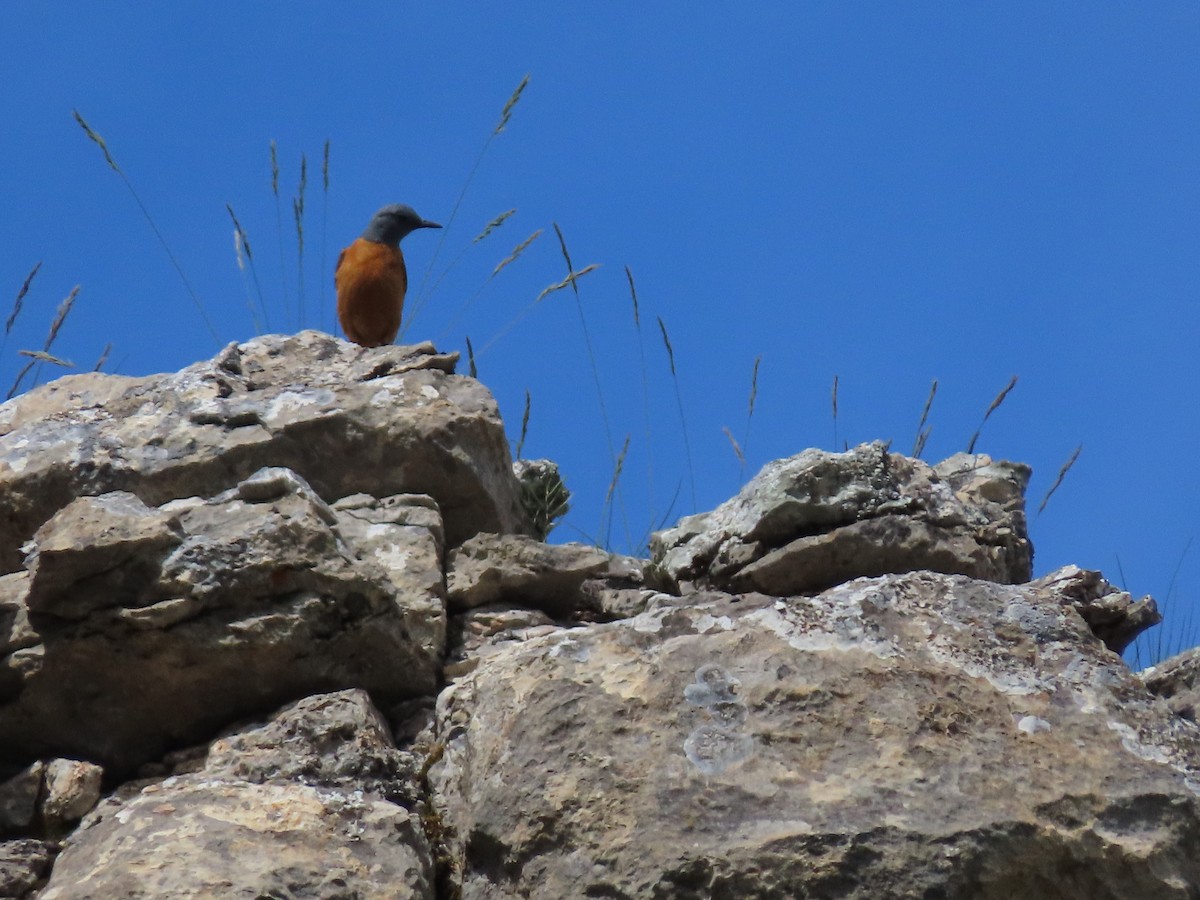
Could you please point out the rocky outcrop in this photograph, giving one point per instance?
(145, 628)
(316, 802)
(818, 519)
(392, 420)
(907, 735)
(301, 625)
(1177, 680)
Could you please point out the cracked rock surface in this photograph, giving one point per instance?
(275, 626)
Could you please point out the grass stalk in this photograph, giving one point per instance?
(923, 432)
(834, 399)
(472, 370)
(298, 212)
(687, 442)
(749, 416)
(637, 325)
(112, 163)
(524, 424)
(1062, 473)
(245, 257)
(324, 222)
(1012, 383)
(505, 117)
(737, 449)
(60, 316)
(278, 221)
(103, 357)
(613, 487)
(487, 230)
(18, 303)
(572, 280)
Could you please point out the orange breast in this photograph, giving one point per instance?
(371, 281)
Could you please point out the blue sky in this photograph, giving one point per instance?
(886, 193)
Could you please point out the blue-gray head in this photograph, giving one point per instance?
(392, 223)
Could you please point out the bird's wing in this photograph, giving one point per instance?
(341, 256)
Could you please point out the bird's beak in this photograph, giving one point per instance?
(425, 223)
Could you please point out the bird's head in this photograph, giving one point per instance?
(392, 223)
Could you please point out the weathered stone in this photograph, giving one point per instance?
(24, 865)
(913, 735)
(385, 421)
(479, 632)
(513, 569)
(817, 519)
(301, 806)
(19, 799)
(98, 552)
(878, 546)
(1177, 680)
(1112, 614)
(250, 603)
(72, 789)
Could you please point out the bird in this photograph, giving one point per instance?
(371, 279)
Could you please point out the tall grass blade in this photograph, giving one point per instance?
(43, 356)
(922, 431)
(1012, 383)
(517, 251)
(569, 281)
(471, 368)
(103, 357)
(60, 316)
(1062, 473)
(505, 116)
(324, 222)
(749, 413)
(17, 304)
(145, 212)
(687, 441)
(524, 424)
(488, 229)
(506, 113)
(278, 220)
(298, 210)
(922, 440)
(637, 325)
(493, 225)
(242, 248)
(834, 398)
(737, 449)
(607, 508)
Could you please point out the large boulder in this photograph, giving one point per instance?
(391, 420)
(137, 628)
(817, 519)
(915, 735)
(315, 802)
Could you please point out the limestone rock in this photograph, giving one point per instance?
(915, 735)
(818, 519)
(210, 611)
(386, 421)
(24, 865)
(482, 631)
(19, 799)
(309, 804)
(1112, 614)
(519, 571)
(1177, 680)
(48, 796)
(72, 788)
